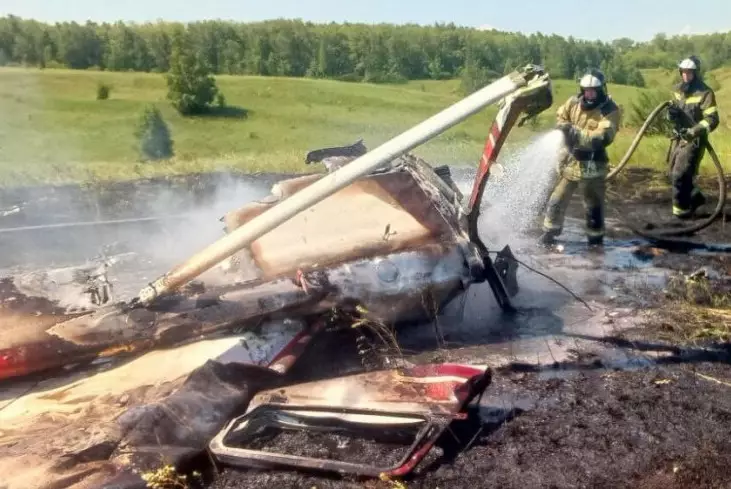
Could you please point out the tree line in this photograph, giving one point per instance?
(354, 52)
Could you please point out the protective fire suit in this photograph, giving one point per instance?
(583, 163)
(698, 101)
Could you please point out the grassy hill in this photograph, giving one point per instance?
(52, 128)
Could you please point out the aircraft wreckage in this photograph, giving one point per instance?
(286, 268)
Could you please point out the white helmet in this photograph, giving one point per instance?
(690, 63)
(593, 79)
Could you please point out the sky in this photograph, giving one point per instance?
(589, 19)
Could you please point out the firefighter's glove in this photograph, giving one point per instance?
(690, 134)
(674, 113)
(563, 126)
(570, 134)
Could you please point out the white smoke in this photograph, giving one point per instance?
(136, 252)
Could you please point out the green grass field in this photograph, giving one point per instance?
(53, 130)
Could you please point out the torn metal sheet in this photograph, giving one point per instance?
(400, 216)
(110, 418)
(407, 408)
(38, 334)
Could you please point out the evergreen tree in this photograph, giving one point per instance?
(153, 135)
(191, 88)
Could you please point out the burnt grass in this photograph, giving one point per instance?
(695, 305)
(664, 426)
(387, 449)
(660, 427)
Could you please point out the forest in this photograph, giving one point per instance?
(351, 52)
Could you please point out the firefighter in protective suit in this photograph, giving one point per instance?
(589, 120)
(698, 101)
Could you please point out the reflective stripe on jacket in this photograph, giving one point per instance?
(598, 127)
(699, 103)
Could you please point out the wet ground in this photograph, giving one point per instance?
(625, 383)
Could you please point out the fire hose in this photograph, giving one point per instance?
(664, 234)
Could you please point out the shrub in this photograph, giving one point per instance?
(474, 78)
(635, 78)
(221, 100)
(102, 91)
(641, 108)
(390, 78)
(153, 136)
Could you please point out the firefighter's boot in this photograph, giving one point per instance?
(697, 200)
(595, 241)
(548, 238)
